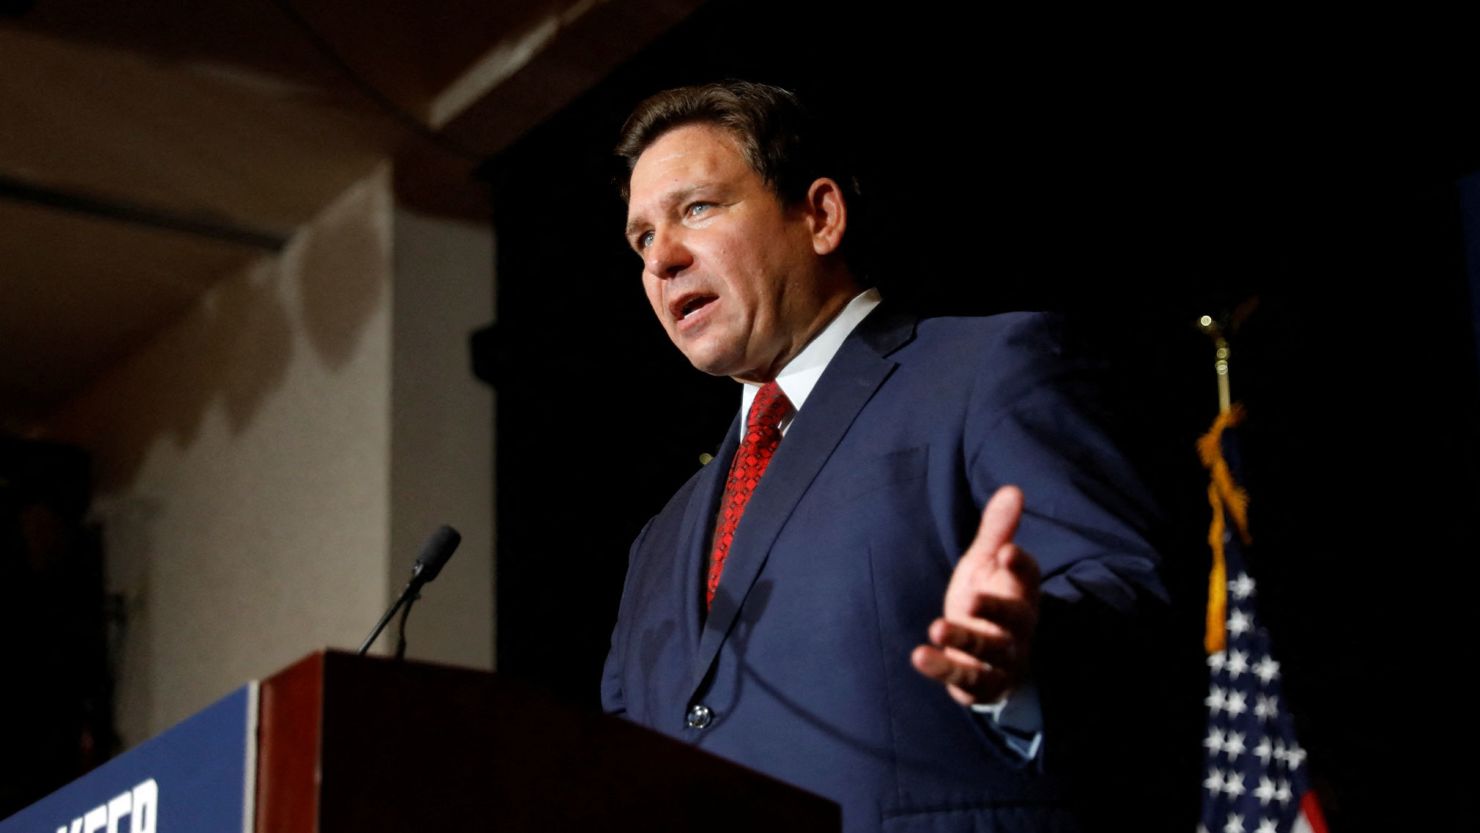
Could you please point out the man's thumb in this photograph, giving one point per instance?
(999, 520)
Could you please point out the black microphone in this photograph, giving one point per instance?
(434, 555)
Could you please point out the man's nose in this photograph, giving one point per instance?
(667, 255)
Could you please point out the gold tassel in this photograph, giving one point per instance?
(1223, 495)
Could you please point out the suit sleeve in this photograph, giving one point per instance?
(1038, 420)
(613, 698)
(1105, 645)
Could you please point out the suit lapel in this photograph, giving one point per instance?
(851, 378)
(698, 530)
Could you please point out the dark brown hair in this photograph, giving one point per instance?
(780, 139)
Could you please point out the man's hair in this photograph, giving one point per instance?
(784, 143)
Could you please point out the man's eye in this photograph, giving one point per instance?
(698, 208)
(644, 240)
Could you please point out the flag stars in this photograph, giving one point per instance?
(1239, 623)
(1233, 745)
(1242, 587)
(1215, 700)
(1250, 750)
(1265, 791)
(1233, 785)
(1214, 742)
(1294, 756)
(1238, 663)
(1282, 792)
(1235, 704)
(1290, 756)
(1230, 744)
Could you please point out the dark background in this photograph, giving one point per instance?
(1136, 181)
(1132, 171)
(56, 715)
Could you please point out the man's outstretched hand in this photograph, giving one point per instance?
(979, 648)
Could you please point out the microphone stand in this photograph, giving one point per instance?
(408, 596)
(434, 554)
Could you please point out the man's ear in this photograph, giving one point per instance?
(828, 214)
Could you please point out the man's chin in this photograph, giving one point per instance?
(713, 369)
(712, 363)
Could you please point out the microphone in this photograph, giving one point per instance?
(434, 555)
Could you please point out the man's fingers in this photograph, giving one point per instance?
(995, 647)
(997, 590)
(1016, 617)
(967, 679)
(991, 610)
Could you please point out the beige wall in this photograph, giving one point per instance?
(246, 482)
(442, 433)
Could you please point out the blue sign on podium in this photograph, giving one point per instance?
(198, 777)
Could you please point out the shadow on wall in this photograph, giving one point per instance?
(341, 263)
(237, 345)
(127, 543)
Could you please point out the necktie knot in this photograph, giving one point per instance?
(769, 408)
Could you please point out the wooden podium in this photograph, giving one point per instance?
(410, 747)
(343, 744)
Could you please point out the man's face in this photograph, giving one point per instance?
(731, 273)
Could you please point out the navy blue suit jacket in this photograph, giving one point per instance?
(841, 562)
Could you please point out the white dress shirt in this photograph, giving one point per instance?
(800, 375)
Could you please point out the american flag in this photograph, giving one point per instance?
(1255, 778)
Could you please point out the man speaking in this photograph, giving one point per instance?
(897, 583)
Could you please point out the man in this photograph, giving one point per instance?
(836, 608)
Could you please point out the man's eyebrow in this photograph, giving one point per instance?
(669, 200)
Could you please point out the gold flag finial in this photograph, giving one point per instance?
(1221, 353)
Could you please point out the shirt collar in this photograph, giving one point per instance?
(800, 374)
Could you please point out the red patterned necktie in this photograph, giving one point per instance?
(762, 435)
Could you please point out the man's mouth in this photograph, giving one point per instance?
(687, 305)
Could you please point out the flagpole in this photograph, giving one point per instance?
(1221, 353)
(1254, 765)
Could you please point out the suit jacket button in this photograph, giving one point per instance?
(699, 716)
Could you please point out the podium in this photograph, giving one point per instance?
(337, 743)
